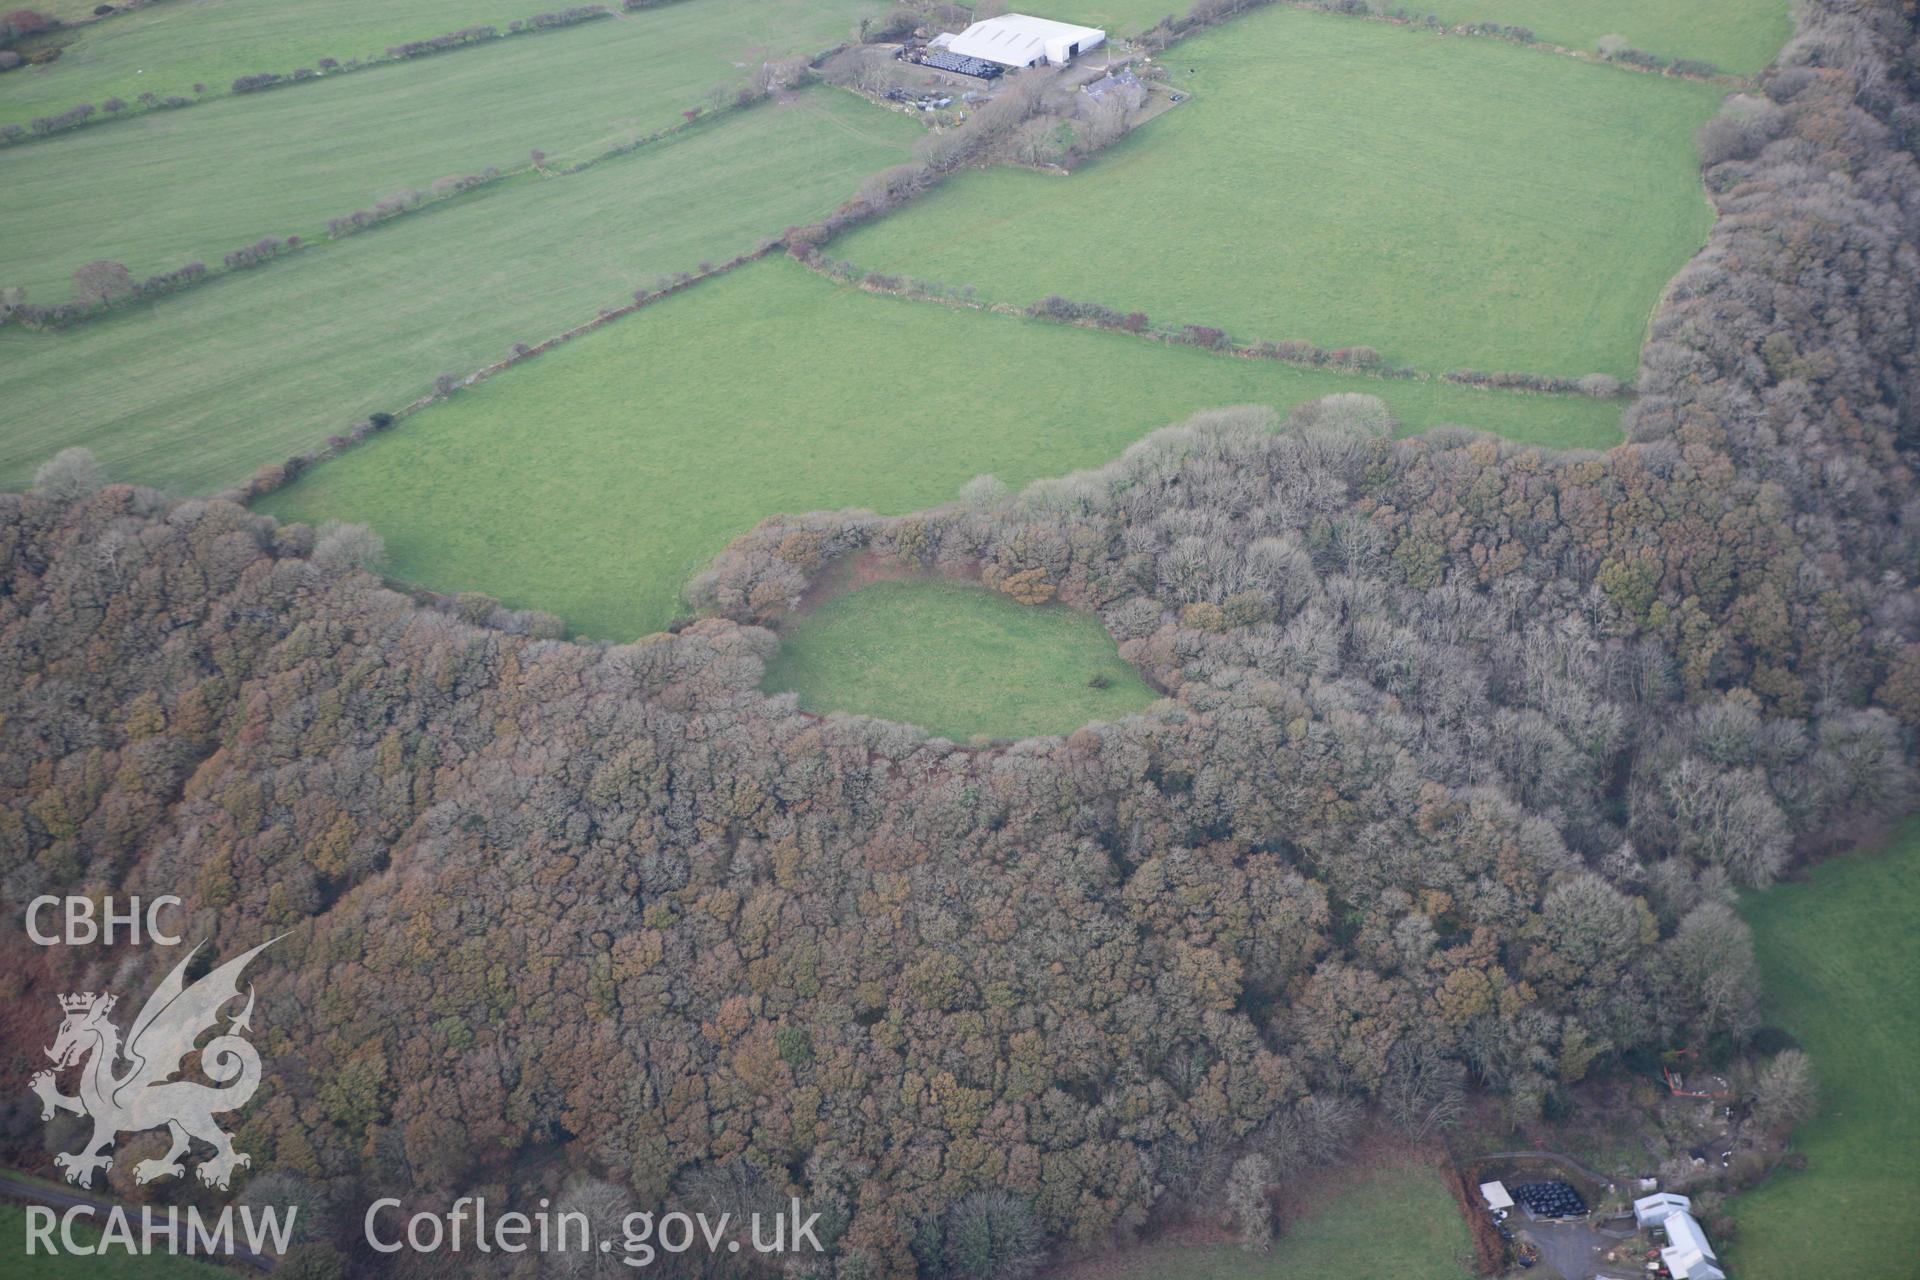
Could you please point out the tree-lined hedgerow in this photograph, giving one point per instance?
(1037, 96)
(276, 475)
(258, 81)
(1465, 751)
(1612, 48)
(407, 200)
(771, 78)
(17, 24)
(1092, 315)
(102, 285)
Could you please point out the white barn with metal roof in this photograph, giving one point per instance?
(1020, 40)
(1688, 1255)
(1651, 1211)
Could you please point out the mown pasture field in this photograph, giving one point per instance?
(162, 189)
(596, 479)
(1115, 17)
(957, 660)
(194, 392)
(1388, 1221)
(1456, 203)
(1840, 959)
(167, 48)
(1737, 36)
(67, 10)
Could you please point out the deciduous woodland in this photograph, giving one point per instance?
(1467, 748)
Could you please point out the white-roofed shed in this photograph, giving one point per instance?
(1651, 1211)
(1020, 40)
(1688, 1255)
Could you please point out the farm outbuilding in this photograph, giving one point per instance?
(1495, 1194)
(1687, 1256)
(1651, 1211)
(1124, 87)
(1019, 40)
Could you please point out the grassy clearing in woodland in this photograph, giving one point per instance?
(1840, 959)
(160, 190)
(595, 480)
(957, 660)
(1456, 203)
(1738, 36)
(196, 391)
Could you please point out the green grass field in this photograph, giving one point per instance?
(1396, 1222)
(1840, 955)
(159, 190)
(66, 10)
(595, 480)
(1115, 17)
(109, 1266)
(1455, 203)
(169, 47)
(194, 392)
(957, 660)
(1740, 36)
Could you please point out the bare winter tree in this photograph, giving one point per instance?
(69, 474)
(1105, 120)
(1424, 1091)
(1746, 123)
(992, 1235)
(102, 282)
(1784, 1091)
(984, 492)
(604, 1207)
(1247, 1206)
(347, 546)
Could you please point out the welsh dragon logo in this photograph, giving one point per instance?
(139, 1096)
